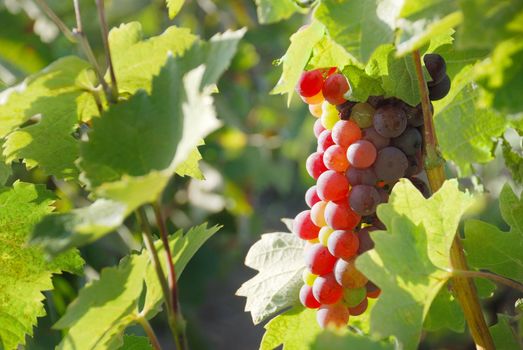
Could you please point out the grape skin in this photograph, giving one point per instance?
(339, 216)
(391, 164)
(307, 298)
(318, 128)
(409, 141)
(364, 199)
(371, 135)
(347, 275)
(360, 308)
(346, 132)
(324, 141)
(332, 186)
(389, 121)
(303, 226)
(310, 83)
(335, 158)
(365, 241)
(315, 166)
(334, 88)
(326, 290)
(361, 154)
(352, 297)
(362, 114)
(439, 90)
(319, 260)
(336, 315)
(343, 244)
(361, 176)
(436, 66)
(311, 196)
(318, 214)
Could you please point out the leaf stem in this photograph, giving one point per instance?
(105, 35)
(463, 287)
(86, 48)
(150, 332)
(491, 276)
(179, 323)
(57, 21)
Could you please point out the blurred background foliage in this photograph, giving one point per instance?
(254, 166)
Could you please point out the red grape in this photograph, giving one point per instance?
(326, 290)
(372, 290)
(332, 186)
(390, 121)
(391, 164)
(347, 275)
(307, 298)
(361, 176)
(364, 199)
(325, 140)
(303, 226)
(336, 315)
(310, 83)
(361, 154)
(366, 242)
(360, 308)
(319, 260)
(340, 216)
(346, 132)
(334, 87)
(318, 128)
(318, 213)
(371, 135)
(335, 158)
(311, 196)
(343, 244)
(314, 165)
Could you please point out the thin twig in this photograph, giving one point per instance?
(108, 58)
(150, 332)
(179, 322)
(57, 21)
(463, 287)
(491, 276)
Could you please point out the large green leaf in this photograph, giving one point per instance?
(132, 342)
(296, 58)
(359, 26)
(270, 11)
(348, 340)
(279, 259)
(327, 53)
(503, 335)
(445, 312)
(25, 271)
(105, 308)
(410, 261)
(505, 249)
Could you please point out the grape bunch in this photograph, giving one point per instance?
(363, 150)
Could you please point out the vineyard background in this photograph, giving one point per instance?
(254, 166)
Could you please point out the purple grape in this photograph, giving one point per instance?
(361, 176)
(364, 199)
(409, 141)
(391, 164)
(390, 121)
(371, 135)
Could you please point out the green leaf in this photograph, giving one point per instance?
(347, 340)
(422, 21)
(133, 342)
(513, 161)
(445, 312)
(423, 231)
(137, 61)
(296, 58)
(174, 7)
(466, 133)
(270, 11)
(25, 271)
(295, 329)
(278, 258)
(362, 85)
(327, 53)
(503, 335)
(505, 249)
(190, 166)
(5, 169)
(359, 26)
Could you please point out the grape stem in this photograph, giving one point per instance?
(150, 332)
(491, 276)
(57, 21)
(463, 286)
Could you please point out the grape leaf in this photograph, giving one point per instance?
(423, 231)
(513, 161)
(503, 335)
(270, 11)
(190, 166)
(445, 312)
(421, 21)
(327, 53)
(104, 308)
(25, 271)
(278, 258)
(174, 7)
(348, 340)
(362, 85)
(505, 249)
(295, 329)
(5, 169)
(136, 61)
(296, 58)
(132, 342)
(359, 26)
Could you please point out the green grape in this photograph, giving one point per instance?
(354, 296)
(362, 114)
(329, 115)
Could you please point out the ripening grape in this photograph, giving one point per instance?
(354, 296)
(335, 158)
(371, 135)
(359, 309)
(332, 186)
(347, 275)
(303, 226)
(326, 290)
(340, 216)
(414, 115)
(329, 115)
(390, 121)
(325, 141)
(372, 290)
(346, 132)
(313, 100)
(318, 128)
(315, 110)
(319, 260)
(361, 176)
(439, 90)
(421, 186)
(362, 114)
(334, 88)
(415, 165)
(308, 277)
(343, 244)
(318, 214)
(310, 83)
(307, 298)
(364, 199)
(361, 154)
(336, 315)
(311, 196)
(436, 66)
(315, 166)
(409, 141)
(324, 235)
(366, 242)
(391, 164)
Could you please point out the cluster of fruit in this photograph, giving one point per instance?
(363, 150)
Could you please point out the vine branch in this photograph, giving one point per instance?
(150, 332)
(463, 286)
(491, 276)
(57, 21)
